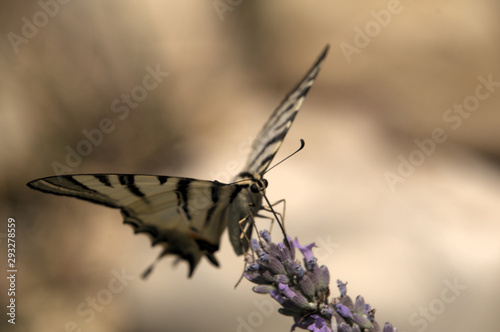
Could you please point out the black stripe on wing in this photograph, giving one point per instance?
(274, 141)
(102, 189)
(162, 179)
(182, 196)
(215, 198)
(271, 136)
(104, 179)
(129, 182)
(67, 185)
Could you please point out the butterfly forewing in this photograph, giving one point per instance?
(269, 139)
(264, 148)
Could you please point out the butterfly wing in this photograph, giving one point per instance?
(186, 216)
(269, 139)
(264, 148)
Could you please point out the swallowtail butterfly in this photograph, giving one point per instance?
(187, 216)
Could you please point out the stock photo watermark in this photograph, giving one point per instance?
(223, 6)
(120, 106)
(421, 318)
(325, 247)
(255, 319)
(89, 308)
(31, 27)
(11, 270)
(233, 167)
(452, 117)
(363, 36)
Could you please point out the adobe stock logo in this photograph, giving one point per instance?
(428, 314)
(373, 28)
(89, 309)
(30, 28)
(255, 319)
(122, 106)
(453, 117)
(225, 6)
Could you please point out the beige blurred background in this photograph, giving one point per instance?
(399, 245)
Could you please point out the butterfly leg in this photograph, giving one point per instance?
(271, 209)
(246, 229)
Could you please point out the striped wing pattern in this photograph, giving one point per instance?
(269, 139)
(187, 216)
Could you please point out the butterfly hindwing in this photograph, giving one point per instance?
(186, 216)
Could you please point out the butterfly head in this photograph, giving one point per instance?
(255, 182)
(258, 186)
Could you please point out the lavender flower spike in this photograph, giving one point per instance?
(303, 290)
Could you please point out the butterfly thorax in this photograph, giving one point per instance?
(253, 188)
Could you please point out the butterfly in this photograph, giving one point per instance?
(188, 216)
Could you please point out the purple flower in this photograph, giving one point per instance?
(342, 287)
(388, 328)
(309, 259)
(343, 311)
(266, 236)
(303, 289)
(254, 244)
(313, 323)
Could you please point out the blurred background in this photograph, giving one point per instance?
(399, 182)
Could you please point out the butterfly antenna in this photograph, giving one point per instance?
(302, 144)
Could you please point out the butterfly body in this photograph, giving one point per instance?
(247, 204)
(188, 216)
